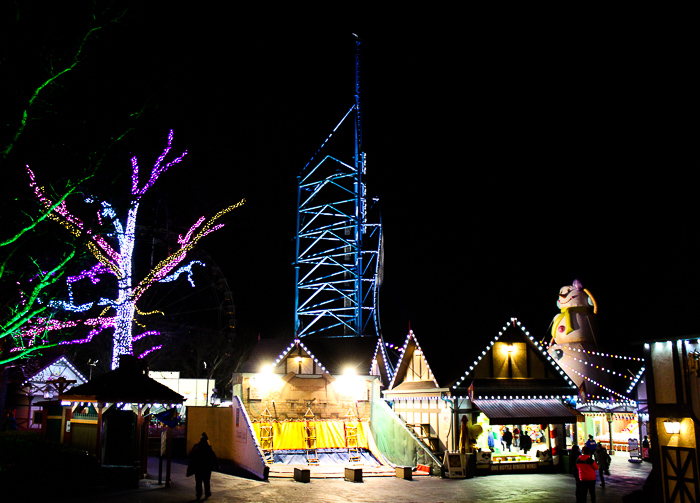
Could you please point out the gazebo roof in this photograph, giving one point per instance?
(129, 384)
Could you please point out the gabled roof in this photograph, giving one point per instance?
(332, 354)
(557, 382)
(410, 346)
(340, 353)
(384, 363)
(129, 384)
(57, 364)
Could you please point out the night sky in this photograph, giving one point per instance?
(510, 156)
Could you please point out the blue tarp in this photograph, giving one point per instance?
(325, 457)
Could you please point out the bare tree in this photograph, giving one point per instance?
(111, 243)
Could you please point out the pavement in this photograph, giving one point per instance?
(625, 479)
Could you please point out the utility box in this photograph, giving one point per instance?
(302, 474)
(353, 474)
(404, 472)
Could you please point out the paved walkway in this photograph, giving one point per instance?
(625, 478)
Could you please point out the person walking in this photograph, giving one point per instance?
(602, 458)
(591, 444)
(587, 468)
(516, 437)
(573, 457)
(202, 462)
(507, 438)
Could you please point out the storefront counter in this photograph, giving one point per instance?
(512, 463)
(499, 458)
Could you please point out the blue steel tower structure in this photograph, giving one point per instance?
(338, 239)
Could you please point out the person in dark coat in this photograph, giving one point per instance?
(507, 438)
(202, 462)
(591, 444)
(603, 459)
(525, 442)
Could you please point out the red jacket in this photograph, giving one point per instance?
(586, 467)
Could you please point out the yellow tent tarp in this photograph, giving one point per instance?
(290, 435)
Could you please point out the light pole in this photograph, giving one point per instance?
(92, 365)
(207, 398)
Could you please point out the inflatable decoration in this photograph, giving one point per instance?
(574, 323)
(574, 337)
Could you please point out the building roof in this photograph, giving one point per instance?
(411, 345)
(526, 411)
(480, 374)
(385, 363)
(55, 365)
(333, 354)
(520, 387)
(129, 384)
(339, 353)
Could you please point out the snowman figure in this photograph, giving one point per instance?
(574, 343)
(574, 324)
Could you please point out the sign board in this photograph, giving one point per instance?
(634, 449)
(453, 465)
(514, 467)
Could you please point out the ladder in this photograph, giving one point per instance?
(351, 437)
(267, 435)
(310, 433)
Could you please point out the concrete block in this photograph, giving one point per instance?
(404, 472)
(353, 474)
(302, 474)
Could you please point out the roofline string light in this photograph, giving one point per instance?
(609, 390)
(410, 336)
(298, 343)
(382, 345)
(633, 379)
(516, 323)
(593, 365)
(61, 361)
(512, 397)
(608, 355)
(636, 379)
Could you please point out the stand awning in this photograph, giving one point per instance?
(542, 411)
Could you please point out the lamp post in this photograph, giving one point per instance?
(208, 376)
(92, 364)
